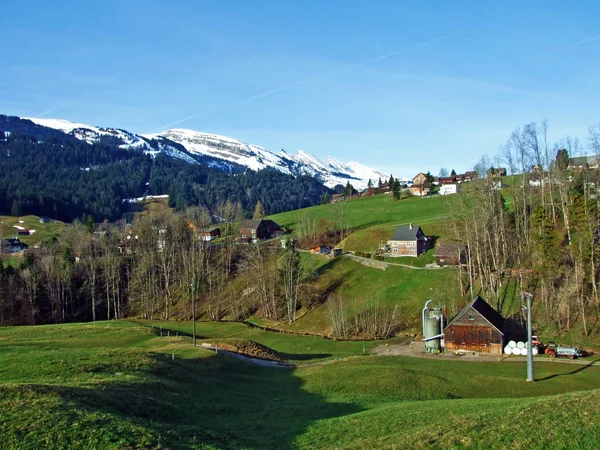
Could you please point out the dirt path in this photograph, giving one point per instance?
(415, 349)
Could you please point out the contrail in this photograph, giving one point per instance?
(302, 82)
(585, 41)
(49, 111)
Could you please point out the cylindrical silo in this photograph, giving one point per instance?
(432, 328)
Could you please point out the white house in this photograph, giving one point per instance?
(448, 189)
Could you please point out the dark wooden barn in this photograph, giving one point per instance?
(477, 328)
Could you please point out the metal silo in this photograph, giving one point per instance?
(433, 327)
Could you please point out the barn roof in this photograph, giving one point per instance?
(486, 311)
(255, 223)
(449, 250)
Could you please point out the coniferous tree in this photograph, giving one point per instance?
(259, 211)
(370, 184)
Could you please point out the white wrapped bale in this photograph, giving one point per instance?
(520, 344)
(508, 350)
(512, 344)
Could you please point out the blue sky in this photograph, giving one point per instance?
(143, 65)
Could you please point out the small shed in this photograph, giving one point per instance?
(451, 254)
(477, 328)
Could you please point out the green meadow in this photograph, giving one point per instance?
(116, 385)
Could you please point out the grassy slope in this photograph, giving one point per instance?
(117, 386)
(43, 231)
(374, 218)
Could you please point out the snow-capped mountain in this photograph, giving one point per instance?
(221, 152)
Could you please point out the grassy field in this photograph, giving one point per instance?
(379, 214)
(43, 231)
(119, 385)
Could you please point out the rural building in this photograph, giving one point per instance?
(448, 180)
(451, 254)
(12, 245)
(257, 229)
(584, 162)
(470, 176)
(210, 234)
(448, 189)
(45, 219)
(320, 249)
(420, 178)
(477, 328)
(338, 198)
(419, 190)
(496, 173)
(408, 241)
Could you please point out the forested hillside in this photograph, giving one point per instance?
(47, 172)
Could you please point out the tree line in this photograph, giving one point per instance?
(540, 234)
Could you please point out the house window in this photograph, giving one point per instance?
(471, 317)
(484, 345)
(464, 344)
(243, 236)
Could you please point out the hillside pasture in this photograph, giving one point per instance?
(118, 385)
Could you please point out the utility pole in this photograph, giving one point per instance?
(528, 297)
(194, 310)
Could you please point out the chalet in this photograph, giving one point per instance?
(496, 173)
(12, 245)
(451, 254)
(368, 192)
(420, 178)
(448, 180)
(338, 198)
(448, 189)
(584, 162)
(419, 190)
(210, 234)
(257, 229)
(24, 232)
(460, 178)
(408, 241)
(470, 176)
(477, 328)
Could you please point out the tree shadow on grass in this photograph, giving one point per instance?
(212, 400)
(573, 372)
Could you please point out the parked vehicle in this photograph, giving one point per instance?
(558, 350)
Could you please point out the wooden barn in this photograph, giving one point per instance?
(477, 328)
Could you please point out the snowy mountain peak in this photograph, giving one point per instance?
(221, 152)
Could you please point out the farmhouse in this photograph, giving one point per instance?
(420, 178)
(496, 173)
(477, 328)
(448, 180)
(210, 234)
(408, 241)
(584, 162)
(338, 198)
(451, 254)
(12, 245)
(448, 189)
(255, 230)
(419, 190)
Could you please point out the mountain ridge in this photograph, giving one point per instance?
(221, 152)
